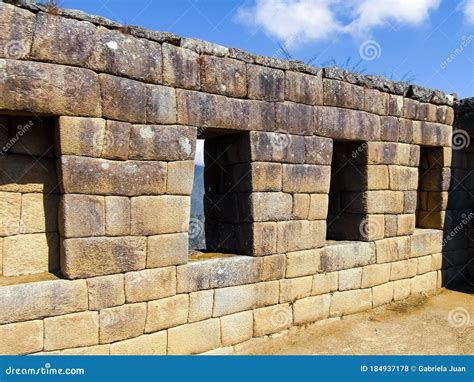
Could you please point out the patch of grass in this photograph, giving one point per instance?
(52, 7)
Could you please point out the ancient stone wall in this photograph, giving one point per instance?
(326, 191)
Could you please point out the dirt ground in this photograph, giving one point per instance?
(441, 323)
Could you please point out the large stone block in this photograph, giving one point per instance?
(168, 143)
(390, 129)
(272, 319)
(392, 249)
(89, 257)
(403, 178)
(424, 283)
(401, 289)
(223, 76)
(382, 294)
(294, 289)
(265, 83)
(403, 269)
(116, 140)
(117, 216)
(121, 54)
(426, 242)
(105, 292)
(273, 267)
(306, 178)
(345, 255)
(374, 202)
(70, 90)
(302, 263)
(311, 309)
(200, 305)
(161, 104)
(350, 279)
(180, 178)
(270, 206)
(81, 216)
(180, 67)
(72, 330)
(150, 284)
(10, 209)
(255, 177)
(343, 94)
(62, 40)
(304, 88)
(81, 136)
(150, 344)
(81, 175)
(276, 147)
(21, 338)
(235, 299)
(384, 153)
(406, 224)
(301, 204)
(236, 328)
(375, 101)
(194, 338)
(294, 118)
(349, 302)
(300, 234)
(318, 150)
(25, 302)
(17, 31)
(166, 250)
(361, 178)
(122, 322)
(375, 274)
(325, 283)
(167, 313)
(431, 134)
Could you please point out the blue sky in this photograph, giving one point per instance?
(410, 39)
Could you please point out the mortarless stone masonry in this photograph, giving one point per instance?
(331, 192)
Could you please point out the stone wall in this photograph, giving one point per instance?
(295, 155)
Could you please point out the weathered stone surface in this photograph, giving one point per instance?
(180, 67)
(306, 178)
(89, 257)
(81, 216)
(166, 250)
(406, 224)
(401, 289)
(349, 302)
(236, 328)
(170, 143)
(122, 322)
(124, 55)
(384, 153)
(39, 213)
(431, 134)
(374, 202)
(271, 206)
(180, 178)
(21, 338)
(17, 31)
(299, 235)
(161, 104)
(318, 207)
(375, 101)
(150, 344)
(300, 209)
(390, 128)
(152, 215)
(350, 279)
(343, 94)
(318, 150)
(70, 90)
(311, 309)
(424, 283)
(105, 292)
(375, 274)
(265, 83)
(123, 99)
(24, 302)
(55, 42)
(361, 178)
(81, 136)
(104, 177)
(302, 263)
(304, 88)
(272, 319)
(10, 210)
(325, 283)
(426, 242)
(403, 178)
(204, 47)
(294, 289)
(276, 147)
(294, 118)
(117, 216)
(167, 313)
(392, 249)
(346, 255)
(403, 269)
(200, 305)
(72, 330)
(273, 267)
(194, 338)
(116, 140)
(223, 76)
(382, 294)
(150, 284)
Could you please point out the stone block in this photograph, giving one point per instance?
(272, 319)
(300, 234)
(122, 322)
(374, 202)
(166, 250)
(403, 178)
(81, 136)
(311, 309)
(10, 209)
(390, 128)
(89, 257)
(304, 88)
(391, 225)
(81, 216)
(395, 105)
(265, 83)
(17, 31)
(358, 227)
(81, 175)
(116, 140)
(294, 118)
(345, 255)
(302, 263)
(149, 344)
(349, 302)
(403, 269)
(42, 299)
(105, 292)
(343, 94)
(410, 200)
(318, 150)
(300, 207)
(117, 216)
(426, 242)
(375, 274)
(276, 147)
(318, 208)
(153, 215)
(263, 177)
(236, 328)
(121, 54)
(180, 178)
(72, 330)
(325, 283)
(350, 279)
(21, 338)
(150, 284)
(194, 338)
(168, 143)
(392, 249)
(223, 76)
(382, 294)
(273, 267)
(375, 101)
(167, 313)
(71, 90)
(424, 264)
(406, 224)
(387, 153)
(39, 213)
(431, 134)
(436, 261)
(405, 130)
(306, 178)
(271, 206)
(424, 283)
(194, 276)
(88, 350)
(161, 104)
(401, 289)
(361, 178)
(123, 99)
(294, 289)
(235, 299)
(200, 305)
(30, 254)
(180, 67)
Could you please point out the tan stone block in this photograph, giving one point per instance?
(39, 213)
(318, 150)
(29, 254)
(200, 305)
(299, 235)
(403, 178)
(382, 294)
(117, 216)
(72, 330)
(180, 67)
(180, 178)
(150, 284)
(311, 309)
(148, 344)
(237, 328)
(424, 264)
(194, 338)
(21, 338)
(272, 319)
(391, 225)
(122, 322)
(294, 289)
(265, 83)
(350, 279)
(375, 274)
(318, 208)
(81, 136)
(436, 261)
(349, 302)
(401, 289)
(302, 263)
(116, 142)
(89, 257)
(265, 176)
(304, 88)
(325, 283)
(424, 283)
(167, 313)
(303, 178)
(161, 104)
(345, 255)
(234, 299)
(152, 215)
(392, 249)
(166, 250)
(268, 293)
(81, 216)
(223, 76)
(300, 206)
(294, 118)
(403, 269)
(10, 207)
(343, 94)
(273, 267)
(374, 202)
(406, 224)
(277, 147)
(17, 31)
(105, 292)
(88, 350)
(426, 242)
(194, 276)
(271, 206)
(361, 178)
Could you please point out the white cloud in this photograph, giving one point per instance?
(468, 9)
(300, 21)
